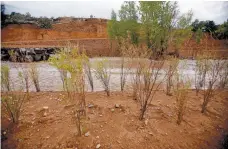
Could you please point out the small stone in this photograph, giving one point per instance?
(97, 137)
(87, 134)
(112, 110)
(150, 133)
(101, 126)
(45, 114)
(220, 126)
(101, 115)
(146, 121)
(90, 105)
(117, 105)
(45, 108)
(98, 146)
(47, 137)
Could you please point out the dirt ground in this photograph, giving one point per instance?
(120, 128)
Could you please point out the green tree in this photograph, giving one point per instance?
(182, 31)
(128, 25)
(113, 26)
(222, 31)
(3, 15)
(157, 23)
(113, 15)
(206, 26)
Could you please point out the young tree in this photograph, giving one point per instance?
(70, 60)
(103, 74)
(181, 91)
(149, 83)
(212, 69)
(171, 71)
(88, 72)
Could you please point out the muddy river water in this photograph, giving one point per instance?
(50, 80)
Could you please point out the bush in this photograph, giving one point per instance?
(13, 102)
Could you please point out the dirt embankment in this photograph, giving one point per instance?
(92, 34)
(73, 29)
(207, 45)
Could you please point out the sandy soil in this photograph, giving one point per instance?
(118, 129)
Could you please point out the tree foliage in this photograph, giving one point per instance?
(44, 22)
(157, 22)
(3, 15)
(222, 31)
(218, 31)
(152, 23)
(128, 21)
(127, 26)
(205, 26)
